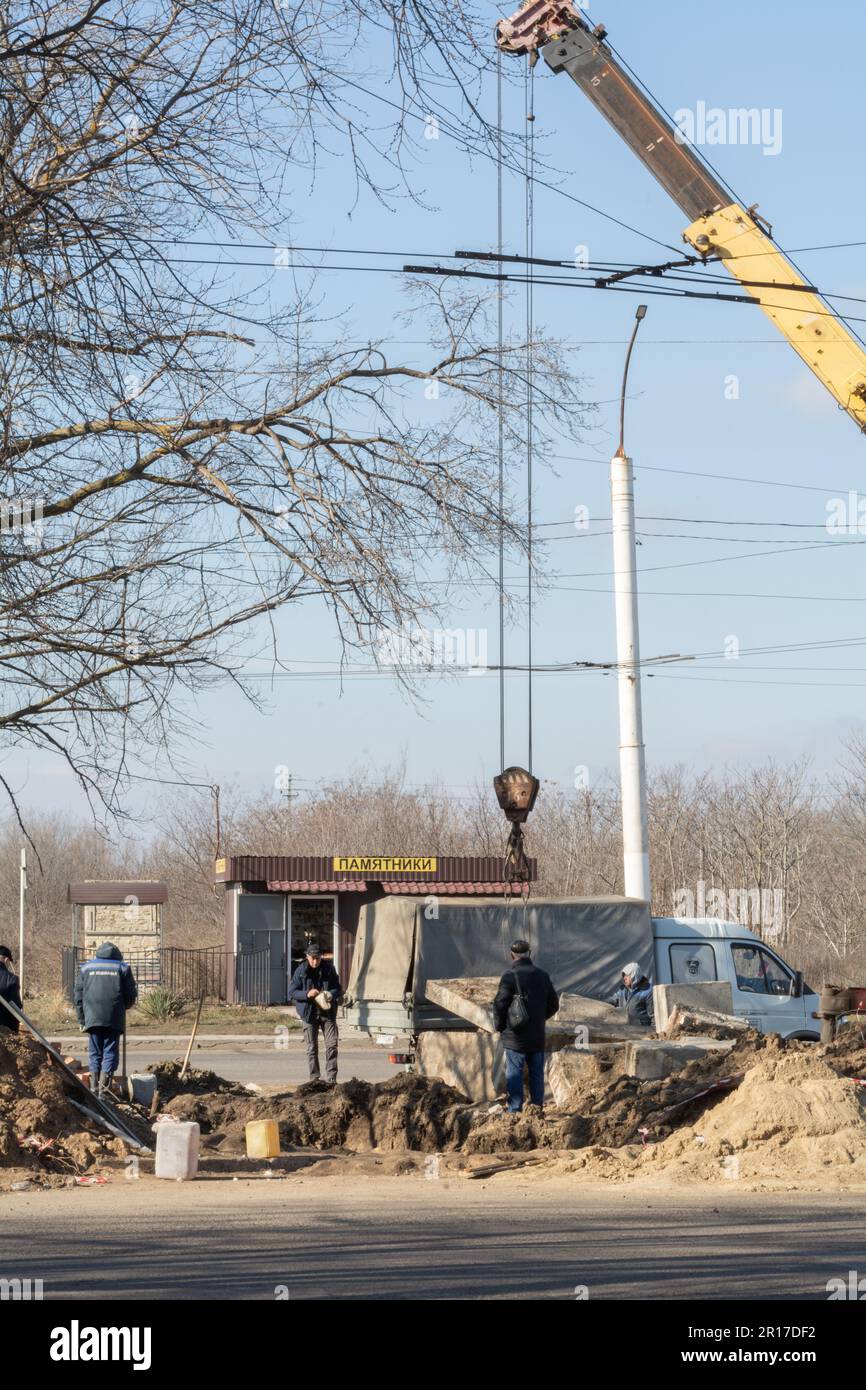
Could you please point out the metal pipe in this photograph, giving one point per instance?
(22, 889)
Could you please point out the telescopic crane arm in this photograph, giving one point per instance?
(719, 228)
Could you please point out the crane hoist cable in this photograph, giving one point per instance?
(529, 97)
(501, 410)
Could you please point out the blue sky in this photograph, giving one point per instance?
(701, 583)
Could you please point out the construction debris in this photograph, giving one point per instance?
(790, 1113)
(706, 1022)
(472, 999)
(715, 995)
(750, 1106)
(469, 999)
(40, 1126)
(792, 1123)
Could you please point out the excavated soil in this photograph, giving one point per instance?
(772, 1113)
(795, 1123)
(39, 1128)
(411, 1112)
(169, 1083)
(407, 1112)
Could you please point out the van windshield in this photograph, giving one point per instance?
(758, 972)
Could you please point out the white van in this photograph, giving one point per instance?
(766, 990)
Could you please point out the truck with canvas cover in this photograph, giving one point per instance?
(582, 943)
(402, 943)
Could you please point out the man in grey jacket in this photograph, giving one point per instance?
(104, 990)
(635, 995)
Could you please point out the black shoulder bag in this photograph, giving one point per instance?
(518, 1012)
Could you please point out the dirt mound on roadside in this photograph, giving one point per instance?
(424, 1114)
(39, 1128)
(769, 1113)
(407, 1112)
(793, 1123)
(169, 1084)
(611, 1109)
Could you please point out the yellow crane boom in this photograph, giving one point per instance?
(720, 230)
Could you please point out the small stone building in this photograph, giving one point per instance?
(128, 913)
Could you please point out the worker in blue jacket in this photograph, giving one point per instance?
(315, 991)
(10, 988)
(104, 990)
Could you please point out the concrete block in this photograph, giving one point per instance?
(713, 994)
(570, 1066)
(471, 998)
(471, 1062)
(653, 1060)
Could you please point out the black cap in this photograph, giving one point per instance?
(520, 948)
(312, 949)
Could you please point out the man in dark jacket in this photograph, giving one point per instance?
(524, 1042)
(104, 990)
(315, 992)
(10, 989)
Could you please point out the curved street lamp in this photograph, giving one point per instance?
(632, 758)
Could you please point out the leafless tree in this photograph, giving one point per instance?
(180, 457)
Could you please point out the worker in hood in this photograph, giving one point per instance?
(635, 995)
(10, 988)
(315, 991)
(104, 990)
(524, 1002)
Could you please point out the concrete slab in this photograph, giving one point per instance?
(713, 994)
(590, 1020)
(470, 998)
(472, 1062)
(656, 1058)
(570, 1066)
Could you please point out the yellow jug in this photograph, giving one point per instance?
(263, 1139)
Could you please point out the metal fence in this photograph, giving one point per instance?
(206, 971)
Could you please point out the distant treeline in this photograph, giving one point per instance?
(770, 846)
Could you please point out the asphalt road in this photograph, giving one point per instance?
(407, 1238)
(267, 1065)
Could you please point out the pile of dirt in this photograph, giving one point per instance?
(773, 1112)
(611, 1109)
(39, 1128)
(407, 1112)
(169, 1083)
(795, 1122)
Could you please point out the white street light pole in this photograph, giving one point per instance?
(22, 889)
(632, 758)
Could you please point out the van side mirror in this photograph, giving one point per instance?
(797, 985)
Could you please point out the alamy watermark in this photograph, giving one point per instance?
(738, 125)
(846, 516)
(21, 1290)
(460, 648)
(751, 907)
(23, 516)
(852, 1289)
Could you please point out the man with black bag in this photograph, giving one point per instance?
(524, 1002)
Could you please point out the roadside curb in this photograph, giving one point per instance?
(145, 1041)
